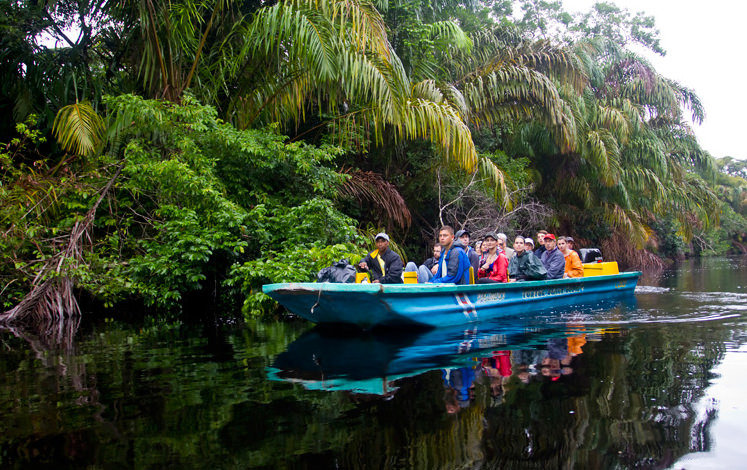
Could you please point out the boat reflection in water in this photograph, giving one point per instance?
(372, 362)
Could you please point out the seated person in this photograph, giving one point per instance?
(384, 265)
(494, 264)
(502, 245)
(524, 266)
(428, 268)
(553, 259)
(529, 244)
(571, 242)
(453, 266)
(539, 248)
(474, 257)
(573, 265)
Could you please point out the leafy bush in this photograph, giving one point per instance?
(196, 200)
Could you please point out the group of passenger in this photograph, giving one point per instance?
(491, 260)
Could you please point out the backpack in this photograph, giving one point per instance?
(340, 271)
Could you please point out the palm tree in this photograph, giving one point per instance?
(633, 155)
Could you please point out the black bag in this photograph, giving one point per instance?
(341, 271)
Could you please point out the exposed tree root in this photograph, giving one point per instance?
(52, 297)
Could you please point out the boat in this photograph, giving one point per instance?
(368, 306)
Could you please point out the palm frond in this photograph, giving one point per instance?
(381, 194)
(79, 129)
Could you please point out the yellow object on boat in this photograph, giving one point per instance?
(600, 269)
(359, 277)
(410, 277)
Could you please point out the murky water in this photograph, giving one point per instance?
(653, 381)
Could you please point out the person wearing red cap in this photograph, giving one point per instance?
(553, 259)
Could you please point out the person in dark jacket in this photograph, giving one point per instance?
(539, 247)
(553, 259)
(524, 266)
(384, 265)
(428, 269)
(453, 266)
(474, 257)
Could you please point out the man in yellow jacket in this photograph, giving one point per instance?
(384, 265)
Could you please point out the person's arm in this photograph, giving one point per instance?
(500, 269)
(454, 273)
(474, 261)
(536, 268)
(576, 268)
(513, 268)
(556, 267)
(393, 270)
(366, 262)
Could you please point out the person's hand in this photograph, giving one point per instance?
(434, 269)
(363, 265)
(377, 281)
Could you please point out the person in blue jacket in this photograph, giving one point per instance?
(453, 265)
(553, 259)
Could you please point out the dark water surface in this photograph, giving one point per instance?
(655, 381)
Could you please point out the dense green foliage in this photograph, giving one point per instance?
(198, 203)
(247, 143)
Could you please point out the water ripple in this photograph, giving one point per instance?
(651, 290)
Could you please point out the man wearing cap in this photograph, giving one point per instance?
(474, 258)
(453, 266)
(553, 259)
(384, 265)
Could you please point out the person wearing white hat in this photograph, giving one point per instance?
(529, 244)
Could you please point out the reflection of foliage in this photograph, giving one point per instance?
(182, 395)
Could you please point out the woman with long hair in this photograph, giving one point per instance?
(493, 264)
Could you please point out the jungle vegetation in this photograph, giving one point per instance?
(158, 152)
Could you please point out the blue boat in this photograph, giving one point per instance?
(368, 306)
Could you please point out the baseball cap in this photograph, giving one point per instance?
(381, 235)
(529, 241)
(462, 232)
(549, 236)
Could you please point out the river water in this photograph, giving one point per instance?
(652, 381)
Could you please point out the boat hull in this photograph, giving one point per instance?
(434, 305)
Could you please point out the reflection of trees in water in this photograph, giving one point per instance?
(637, 410)
(629, 403)
(158, 394)
(49, 374)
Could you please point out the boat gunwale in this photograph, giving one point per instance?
(366, 288)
